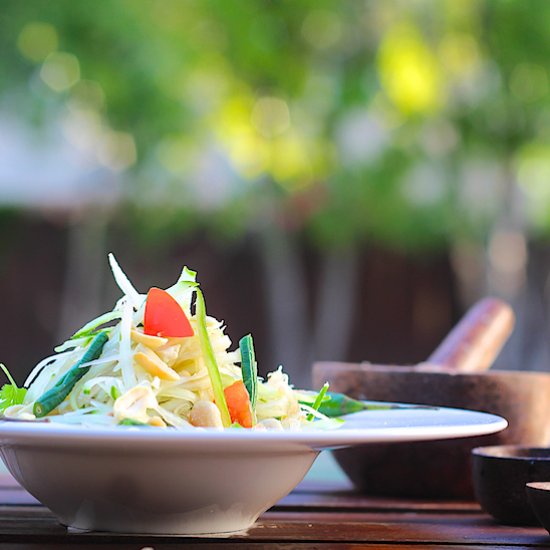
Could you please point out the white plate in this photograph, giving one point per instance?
(149, 480)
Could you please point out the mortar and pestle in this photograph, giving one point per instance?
(455, 375)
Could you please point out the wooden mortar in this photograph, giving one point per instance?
(455, 375)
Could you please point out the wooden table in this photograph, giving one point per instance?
(315, 515)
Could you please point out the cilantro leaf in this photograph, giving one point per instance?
(10, 394)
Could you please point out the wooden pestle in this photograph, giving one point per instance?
(474, 343)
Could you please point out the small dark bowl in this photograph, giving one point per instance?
(538, 493)
(500, 475)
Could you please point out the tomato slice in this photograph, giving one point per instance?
(238, 403)
(164, 316)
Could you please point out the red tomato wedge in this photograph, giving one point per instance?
(238, 403)
(164, 316)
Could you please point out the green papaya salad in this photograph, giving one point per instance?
(159, 360)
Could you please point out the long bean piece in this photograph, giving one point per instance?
(56, 395)
(249, 368)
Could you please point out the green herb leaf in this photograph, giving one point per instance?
(338, 404)
(10, 394)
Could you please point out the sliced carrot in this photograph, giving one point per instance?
(164, 316)
(238, 403)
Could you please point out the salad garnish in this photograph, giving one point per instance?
(209, 358)
(55, 396)
(158, 360)
(10, 394)
(318, 401)
(249, 369)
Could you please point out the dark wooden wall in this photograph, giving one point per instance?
(405, 303)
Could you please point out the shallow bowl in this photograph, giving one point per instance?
(136, 482)
(437, 469)
(145, 480)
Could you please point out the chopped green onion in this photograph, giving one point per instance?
(318, 401)
(132, 422)
(115, 394)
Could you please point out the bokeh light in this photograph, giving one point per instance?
(37, 40)
(60, 71)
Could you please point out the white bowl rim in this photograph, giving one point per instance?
(375, 426)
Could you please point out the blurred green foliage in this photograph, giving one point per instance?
(396, 121)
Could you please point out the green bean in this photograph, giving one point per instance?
(249, 368)
(56, 395)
